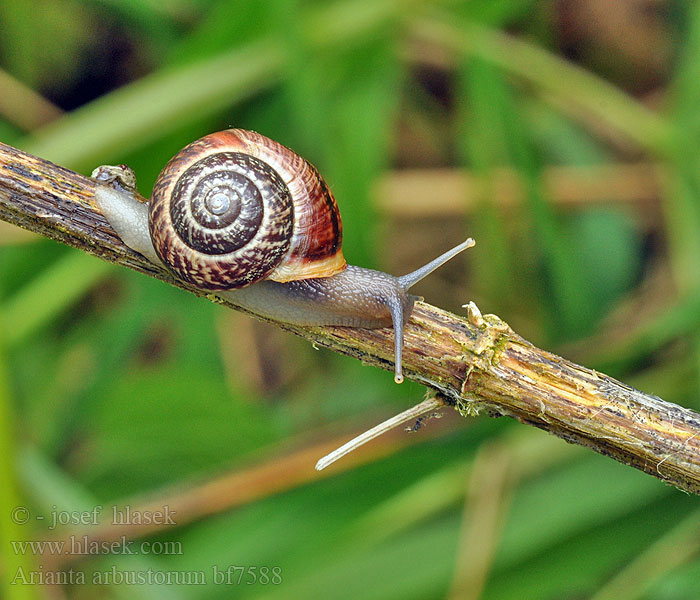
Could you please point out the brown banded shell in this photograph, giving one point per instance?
(235, 207)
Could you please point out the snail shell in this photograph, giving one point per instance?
(235, 207)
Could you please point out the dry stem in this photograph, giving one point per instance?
(475, 362)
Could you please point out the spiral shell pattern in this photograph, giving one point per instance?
(235, 207)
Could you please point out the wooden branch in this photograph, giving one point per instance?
(474, 361)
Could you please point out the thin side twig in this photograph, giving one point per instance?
(412, 414)
(474, 362)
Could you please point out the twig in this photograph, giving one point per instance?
(411, 414)
(474, 362)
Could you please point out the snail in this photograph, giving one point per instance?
(238, 214)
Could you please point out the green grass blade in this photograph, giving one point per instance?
(145, 110)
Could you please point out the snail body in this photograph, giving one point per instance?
(242, 216)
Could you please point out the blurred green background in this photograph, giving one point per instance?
(563, 136)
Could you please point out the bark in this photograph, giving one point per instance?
(475, 362)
